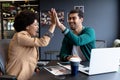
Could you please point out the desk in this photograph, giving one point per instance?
(45, 75)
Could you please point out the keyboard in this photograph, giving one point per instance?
(83, 68)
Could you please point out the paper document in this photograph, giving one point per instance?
(58, 70)
(81, 67)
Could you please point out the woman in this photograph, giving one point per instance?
(23, 54)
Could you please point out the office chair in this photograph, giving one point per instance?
(101, 43)
(51, 53)
(4, 44)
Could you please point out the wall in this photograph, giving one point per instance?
(102, 15)
(118, 18)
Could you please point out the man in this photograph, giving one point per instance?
(78, 41)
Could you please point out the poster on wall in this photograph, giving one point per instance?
(45, 18)
(79, 8)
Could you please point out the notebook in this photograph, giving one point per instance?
(103, 60)
(57, 70)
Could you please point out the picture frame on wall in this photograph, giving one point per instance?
(79, 8)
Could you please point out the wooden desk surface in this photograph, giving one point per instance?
(45, 75)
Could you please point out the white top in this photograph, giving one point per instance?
(77, 51)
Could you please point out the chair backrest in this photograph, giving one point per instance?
(101, 44)
(4, 44)
(116, 43)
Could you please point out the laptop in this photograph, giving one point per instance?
(103, 60)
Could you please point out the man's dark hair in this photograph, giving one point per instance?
(80, 13)
(24, 19)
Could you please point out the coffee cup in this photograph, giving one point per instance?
(74, 63)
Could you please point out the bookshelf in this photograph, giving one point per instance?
(9, 10)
